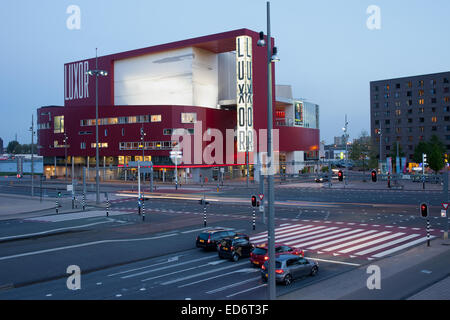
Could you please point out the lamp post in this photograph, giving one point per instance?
(32, 155)
(271, 57)
(65, 151)
(97, 73)
(345, 128)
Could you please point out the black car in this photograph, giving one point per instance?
(234, 248)
(210, 239)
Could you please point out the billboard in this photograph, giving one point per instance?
(298, 113)
(244, 93)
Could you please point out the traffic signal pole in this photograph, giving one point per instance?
(445, 200)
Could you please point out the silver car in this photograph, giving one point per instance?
(289, 267)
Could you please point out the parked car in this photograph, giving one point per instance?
(210, 239)
(260, 254)
(321, 179)
(289, 267)
(235, 248)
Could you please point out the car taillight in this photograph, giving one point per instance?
(232, 248)
(264, 268)
(279, 271)
(266, 258)
(209, 239)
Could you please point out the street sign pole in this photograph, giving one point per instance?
(139, 187)
(445, 201)
(428, 232)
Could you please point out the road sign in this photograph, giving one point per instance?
(261, 196)
(69, 187)
(445, 206)
(443, 213)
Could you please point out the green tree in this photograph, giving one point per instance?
(421, 148)
(14, 147)
(435, 157)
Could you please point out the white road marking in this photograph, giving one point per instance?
(301, 239)
(342, 239)
(54, 230)
(355, 241)
(388, 244)
(303, 244)
(410, 244)
(296, 233)
(32, 253)
(367, 244)
(277, 232)
(194, 275)
(244, 291)
(232, 285)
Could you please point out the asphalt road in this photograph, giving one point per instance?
(124, 257)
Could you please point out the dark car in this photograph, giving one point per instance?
(234, 248)
(320, 179)
(260, 255)
(210, 239)
(290, 267)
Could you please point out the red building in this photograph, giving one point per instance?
(194, 84)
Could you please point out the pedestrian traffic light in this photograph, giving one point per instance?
(203, 202)
(424, 210)
(59, 194)
(340, 175)
(254, 204)
(374, 176)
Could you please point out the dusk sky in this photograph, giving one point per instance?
(327, 52)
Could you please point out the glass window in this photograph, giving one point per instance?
(58, 124)
(156, 118)
(188, 118)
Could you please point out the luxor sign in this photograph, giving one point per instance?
(244, 91)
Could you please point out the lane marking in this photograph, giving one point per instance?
(289, 231)
(32, 253)
(244, 291)
(202, 273)
(232, 285)
(192, 276)
(54, 230)
(297, 233)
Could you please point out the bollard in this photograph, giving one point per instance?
(254, 218)
(143, 210)
(428, 232)
(57, 206)
(204, 216)
(84, 201)
(107, 207)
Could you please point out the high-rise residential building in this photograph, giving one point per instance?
(409, 110)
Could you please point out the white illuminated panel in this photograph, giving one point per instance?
(244, 93)
(187, 76)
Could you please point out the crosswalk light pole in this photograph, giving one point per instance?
(271, 57)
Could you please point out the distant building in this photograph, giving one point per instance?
(409, 110)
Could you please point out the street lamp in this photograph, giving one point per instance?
(65, 150)
(346, 148)
(32, 154)
(97, 73)
(271, 57)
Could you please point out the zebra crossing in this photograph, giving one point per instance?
(350, 240)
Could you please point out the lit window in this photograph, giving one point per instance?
(434, 119)
(83, 145)
(421, 101)
(100, 145)
(188, 117)
(58, 124)
(156, 118)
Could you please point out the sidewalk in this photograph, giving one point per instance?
(402, 276)
(21, 207)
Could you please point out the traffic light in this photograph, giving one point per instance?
(374, 176)
(340, 175)
(59, 194)
(203, 202)
(425, 159)
(424, 210)
(254, 204)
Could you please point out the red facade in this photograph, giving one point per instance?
(79, 95)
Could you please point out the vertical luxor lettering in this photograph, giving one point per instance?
(76, 81)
